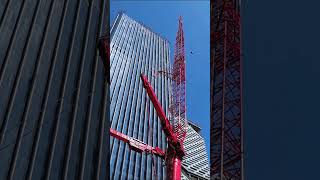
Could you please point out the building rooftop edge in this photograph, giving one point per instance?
(145, 26)
(194, 126)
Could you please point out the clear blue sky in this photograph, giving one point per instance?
(162, 18)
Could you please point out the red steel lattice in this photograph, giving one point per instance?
(226, 115)
(178, 98)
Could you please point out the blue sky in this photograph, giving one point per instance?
(162, 18)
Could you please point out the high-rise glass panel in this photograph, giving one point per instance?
(135, 49)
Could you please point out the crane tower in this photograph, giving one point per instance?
(178, 99)
(226, 135)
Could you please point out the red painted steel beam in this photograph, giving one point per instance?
(166, 126)
(175, 151)
(136, 144)
(226, 149)
(178, 96)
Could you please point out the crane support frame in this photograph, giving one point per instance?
(226, 151)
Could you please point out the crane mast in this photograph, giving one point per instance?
(136, 144)
(226, 137)
(178, 98)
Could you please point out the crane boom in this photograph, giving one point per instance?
(166, 126)
(175, 151)
(136, 144)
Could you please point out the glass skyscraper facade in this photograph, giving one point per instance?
(135, 49)
(195, 165)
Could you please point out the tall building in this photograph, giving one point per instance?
(53, 90)
(195, 165)
(135, 49)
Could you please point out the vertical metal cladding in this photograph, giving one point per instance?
(135, 49)
(53, 93)
(195, 164)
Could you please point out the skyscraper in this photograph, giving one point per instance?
(135, 49)
(195, 165)
(53, 90)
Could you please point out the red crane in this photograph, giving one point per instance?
(178, 104)
(175, 132)
(175, 151)
(137, 145)
(226, 137)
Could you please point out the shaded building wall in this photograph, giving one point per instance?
(53, 90)
(135, 49)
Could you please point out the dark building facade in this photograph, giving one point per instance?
(136, 49)
(54, 95)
